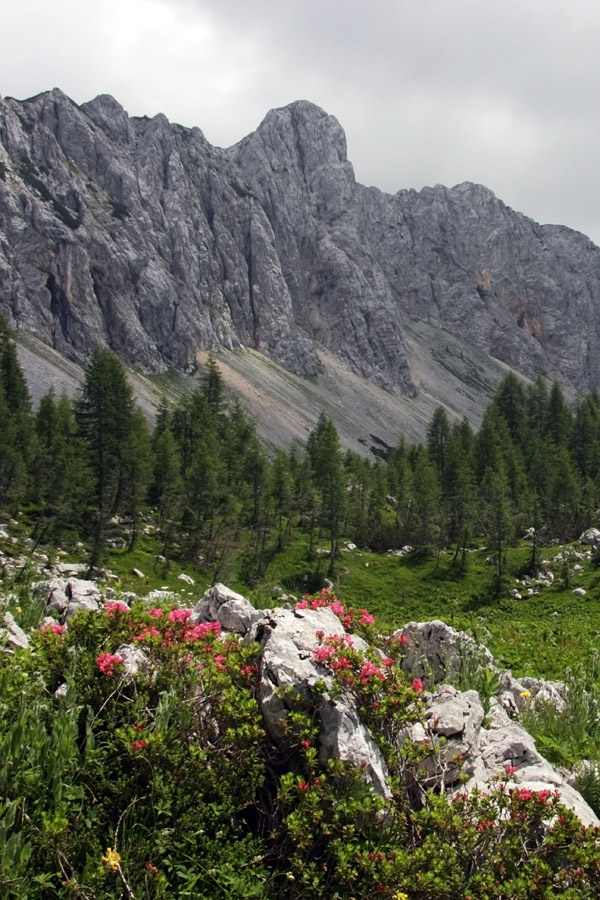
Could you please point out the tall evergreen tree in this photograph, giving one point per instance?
(511, 403)
(105, 414)
(213, 385)
(438, 435)
(537, 405)
(61, 478)
(167, 486)
(459, 498)
(497, 515)
(282, 487)
(17, 434)
(559, 418)
(426, 501)
(564, 494)
(328, 470)
(137, 471)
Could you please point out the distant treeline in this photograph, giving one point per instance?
(214, 491)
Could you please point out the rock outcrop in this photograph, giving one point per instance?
(463, 740)
(467, 747)
(137, 233)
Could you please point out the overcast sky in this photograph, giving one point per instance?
(500, 92)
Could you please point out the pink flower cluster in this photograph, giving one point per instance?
(147, 633)
(540, 796)
(249, 670)
(112, 607)
(316, 602)
(333, 644)
(397, 639)
(179, 615)
(327, 600)
(108, 662)
(202, 630)
(53, 628)
(368, 671)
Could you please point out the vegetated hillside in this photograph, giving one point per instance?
(159, 750)
(138, 234)
(126, 732)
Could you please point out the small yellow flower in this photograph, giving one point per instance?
(525, 694)
(112, 860)
(400, 895)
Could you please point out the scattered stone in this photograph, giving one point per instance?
(186, 578)
(138, 573)
(231, 610)
(14, 636)
(162, 596)
(438, 650)
(591, 536)
(134, 659)
(70, 568)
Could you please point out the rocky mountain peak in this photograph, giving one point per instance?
(309, 133)
(137, 233)
(108, 115)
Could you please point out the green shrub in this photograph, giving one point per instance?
(165, 785)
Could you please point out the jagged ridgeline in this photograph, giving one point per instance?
(138, 234)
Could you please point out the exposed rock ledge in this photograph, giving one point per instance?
(466, 742)
(487, 745)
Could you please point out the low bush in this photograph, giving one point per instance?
(164, 784)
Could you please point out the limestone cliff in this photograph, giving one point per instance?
(137, 233)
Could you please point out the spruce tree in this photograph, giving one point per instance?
(17, 434)
(105, 414)
(438, 435)
(328, 471)
(61, 477)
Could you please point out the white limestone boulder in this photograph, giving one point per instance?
(231, 610)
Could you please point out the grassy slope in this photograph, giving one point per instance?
(540, 635)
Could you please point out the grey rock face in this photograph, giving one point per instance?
(506, 743)
(438, 650)
(12, 634)
(591, 536)
(137, 233)
(232, 611)
(289, 673)
(69, 596)
(135, 660)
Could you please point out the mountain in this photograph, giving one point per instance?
(137, 233)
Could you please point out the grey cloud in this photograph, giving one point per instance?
(428, 91)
